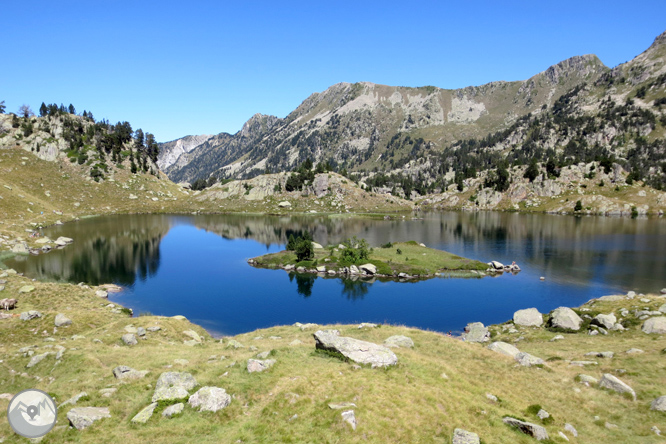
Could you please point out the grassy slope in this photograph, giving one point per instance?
(413, 259)
(409, 403)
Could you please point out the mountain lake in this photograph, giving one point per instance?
(196, 266)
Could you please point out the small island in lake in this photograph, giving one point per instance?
(402, 260)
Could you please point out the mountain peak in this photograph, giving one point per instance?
(576, 66)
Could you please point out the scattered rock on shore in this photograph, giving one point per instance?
(536, 431)
(504, 348)
(83, 417)
(256, 365)
(361, 352)
(61, 320)
(124, 372)
(610, 382)
(144, 415)
(173, 386)
(173, 410)
(210, 399)
(529, 317)
(655, 325)
(565, 318)
(476, 332)
(461, 436)
(659, 404)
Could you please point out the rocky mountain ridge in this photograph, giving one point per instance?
(353, 125)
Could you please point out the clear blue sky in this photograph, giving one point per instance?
(203, 67)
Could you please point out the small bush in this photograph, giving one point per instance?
(127, 311)
(387, 245)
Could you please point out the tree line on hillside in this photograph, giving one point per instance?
(91, 141)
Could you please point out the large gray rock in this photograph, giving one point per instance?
(37, 359)
(144, 415)
(529, 317)
(349, 418)
(173, 410)
(607, 321)
(74, 399)
(256, 365)
(566, 318)
(31, 314)
(173, 386)
(659, 404)
(361, 352)
(399, 341)
(655, 325)
(210, 399)
(504, 348)
(61, 320)
(476, 332)
(21, 248)
(536, 431)
(124, 372)
(83, 417)
(461, 436)
(368, 268)
(129, 339)
(527, 360)
(610, 382)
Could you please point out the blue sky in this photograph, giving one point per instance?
(203, 67)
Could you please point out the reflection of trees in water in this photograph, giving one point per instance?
(304, 283)
(355, 289)
(115, 249)
(619, 251)
(276, 229)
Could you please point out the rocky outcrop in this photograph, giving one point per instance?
(565, 318)
(83, 417)
(504, 348)
(461, 436)
(529, 317)
(655, 325)
(360, 352)
(536, 431)
(257, 365)
(173, 386)
(61, 320)
(476, 332)
(123, 372)
(611, 382)
(209, 399)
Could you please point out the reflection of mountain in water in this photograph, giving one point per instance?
(618, 251)
(584, 247)
(110, 249)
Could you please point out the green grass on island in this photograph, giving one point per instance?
(390, 259)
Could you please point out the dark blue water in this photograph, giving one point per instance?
(196, 266)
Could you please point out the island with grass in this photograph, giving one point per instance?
(354, 257)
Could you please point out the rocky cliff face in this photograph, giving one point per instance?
(170, 152)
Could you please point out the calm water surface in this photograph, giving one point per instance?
(196, 266)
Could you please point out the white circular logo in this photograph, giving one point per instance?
(32, 413)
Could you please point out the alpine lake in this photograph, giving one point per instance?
(196, 266)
